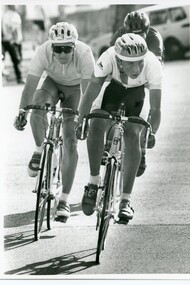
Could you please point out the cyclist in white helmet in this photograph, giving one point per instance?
(68, 64)
(138, 22)
(131, 65)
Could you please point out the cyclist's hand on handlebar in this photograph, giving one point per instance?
(151, 140)
(81, 131)
(20, 120)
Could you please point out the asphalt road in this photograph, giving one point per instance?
(155, 244)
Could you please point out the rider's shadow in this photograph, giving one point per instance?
(67, 264)
(25, 237)
(27, 218)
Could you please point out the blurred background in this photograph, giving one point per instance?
(96, 24)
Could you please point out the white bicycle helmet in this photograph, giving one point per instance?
(63, 32)
(131, 47)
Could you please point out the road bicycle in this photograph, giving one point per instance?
(49, 176)
(111, 170)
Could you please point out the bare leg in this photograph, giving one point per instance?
(95, 144)
(38, 122)
(38, 119)
(70, 155)
(131, 164)
(132, 156)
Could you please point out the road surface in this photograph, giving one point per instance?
(156, 243)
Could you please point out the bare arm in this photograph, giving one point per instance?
(84, 85)
(155, 106)
(29, 89)
(90, 95)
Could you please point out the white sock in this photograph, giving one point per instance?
(94, 179)
(39, 149)
(64, 197)
(125, 196)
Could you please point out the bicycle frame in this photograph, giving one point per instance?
(54, 140)
(113, 157)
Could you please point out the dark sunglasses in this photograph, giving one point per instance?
(60, 49)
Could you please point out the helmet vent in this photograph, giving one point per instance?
(142, 48)
(129, 50)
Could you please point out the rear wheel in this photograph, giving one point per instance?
(106, 211)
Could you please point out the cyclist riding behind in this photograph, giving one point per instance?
(69, 64)
(138, 22)
(131, 65)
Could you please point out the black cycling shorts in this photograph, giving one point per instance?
(115, 93)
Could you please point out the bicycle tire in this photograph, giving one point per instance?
(48, 178)
(57, 180)
(105, 215)
(49, 214)
(42, 196)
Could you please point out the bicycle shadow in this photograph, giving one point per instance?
(67, 264)
(19, 239)
(23, 238)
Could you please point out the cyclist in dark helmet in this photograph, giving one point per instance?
(138, 22)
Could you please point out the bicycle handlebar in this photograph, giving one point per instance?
(113, 116)
(49, 108)
(116, 117)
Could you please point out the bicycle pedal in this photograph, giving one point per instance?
(51, 196)
(61, 219)
(122, 221)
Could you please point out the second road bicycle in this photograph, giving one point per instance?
(111, 170)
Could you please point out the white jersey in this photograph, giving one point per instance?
(151, 73)
(81, 66)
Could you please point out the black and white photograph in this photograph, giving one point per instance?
(95, 141)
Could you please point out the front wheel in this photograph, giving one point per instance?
(106, 214)
(43, 202)
(57, 178)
